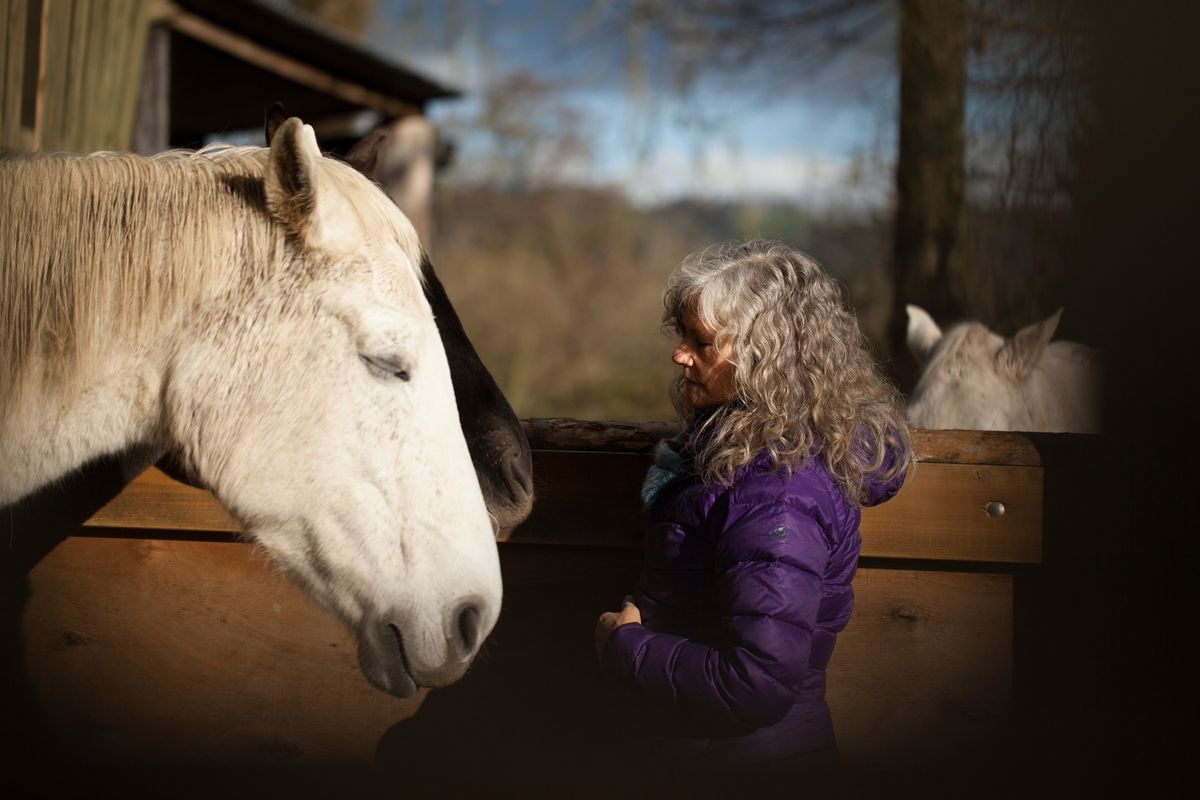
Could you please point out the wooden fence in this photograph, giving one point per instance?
(154, 635)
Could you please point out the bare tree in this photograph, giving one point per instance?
(929, 261)
(986, 106)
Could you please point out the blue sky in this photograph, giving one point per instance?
(821, 139)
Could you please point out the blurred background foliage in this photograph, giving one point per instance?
(557, 273)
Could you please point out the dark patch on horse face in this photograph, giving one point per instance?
(494, 435)
(499, 450)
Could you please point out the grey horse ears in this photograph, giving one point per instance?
(291, 197)
(1020, 353)
(297, 198)
(364, 155)
(923, 333)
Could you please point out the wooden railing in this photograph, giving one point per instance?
(588, 475)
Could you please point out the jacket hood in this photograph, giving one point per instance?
(878, 486)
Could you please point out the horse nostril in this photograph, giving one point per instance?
(468, 628)
(518, 473)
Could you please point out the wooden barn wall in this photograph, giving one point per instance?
(72, 70)
(12, 63)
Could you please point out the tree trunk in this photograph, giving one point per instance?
(930, 235)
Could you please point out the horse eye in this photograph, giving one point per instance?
(387, 368)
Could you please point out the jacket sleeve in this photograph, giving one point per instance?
(769, 563)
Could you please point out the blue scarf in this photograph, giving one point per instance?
(672, 463)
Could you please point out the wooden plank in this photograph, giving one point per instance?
(13, 32)
(555, 433)
(169, 650)
(593, 499)
(152, 122)
(941, 514)
(91, 62)
(156, 501)
(959, 447)
(153, 651)
(585, 498)
(922, 675)
(1000, 448)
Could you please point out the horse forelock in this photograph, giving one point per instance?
(958, 368)
(375, 211)
(963, 345)
(107, 247)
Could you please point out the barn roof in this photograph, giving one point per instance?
(284, 28)
(230, 60)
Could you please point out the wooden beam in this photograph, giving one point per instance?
(155, 501)
(940, 514)
(957, 447)
(251, 52)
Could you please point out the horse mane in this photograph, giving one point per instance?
(960, 343)
(103, 249)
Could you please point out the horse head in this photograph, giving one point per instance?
(319, 408)
(497, 443)
(974, 379)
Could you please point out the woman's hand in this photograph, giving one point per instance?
(611, 620)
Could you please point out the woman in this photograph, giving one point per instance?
(753, 539)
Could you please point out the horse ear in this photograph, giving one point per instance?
(275, 118)
(292, 167)
(1021, 353)
(923, 333)
(364, 155)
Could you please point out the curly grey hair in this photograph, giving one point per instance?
(805, 383)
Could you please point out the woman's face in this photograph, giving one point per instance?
(707, 371)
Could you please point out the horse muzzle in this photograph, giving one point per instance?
(395, 654)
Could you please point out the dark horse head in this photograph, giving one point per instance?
(498, 446)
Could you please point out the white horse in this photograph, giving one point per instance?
(973, 379)
(259, 313)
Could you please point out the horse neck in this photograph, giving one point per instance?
(104, 395)
(45, 436)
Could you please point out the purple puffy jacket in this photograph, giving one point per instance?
(743, 592)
